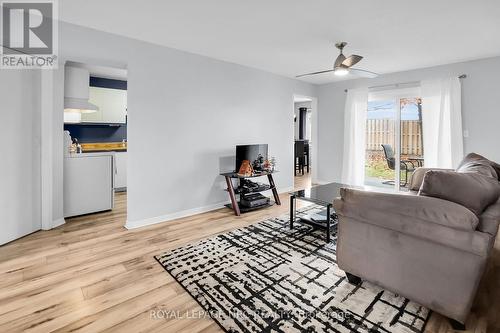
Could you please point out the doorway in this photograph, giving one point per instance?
(304, 124)
(95, 140)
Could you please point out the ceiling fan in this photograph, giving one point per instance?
(343, 65)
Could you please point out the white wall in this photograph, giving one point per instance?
(20, 197)
(186, 113)
(480, 110)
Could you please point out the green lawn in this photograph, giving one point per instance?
(379, 169)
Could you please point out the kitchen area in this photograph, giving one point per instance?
(95, 138)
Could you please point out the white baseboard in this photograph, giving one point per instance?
(184, 213)
(57, 223)
(322, 182)
(173, 216)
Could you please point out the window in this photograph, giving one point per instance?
(394, 141)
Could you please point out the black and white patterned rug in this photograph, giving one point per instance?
(268, 278)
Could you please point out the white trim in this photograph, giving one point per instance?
(58, 222)
(314, 138)
(397, 144)
(173, 216)
(184, 213)
(46, 129)
(323, 182)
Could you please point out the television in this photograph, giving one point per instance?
(249, 152)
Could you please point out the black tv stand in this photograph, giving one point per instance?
(235, 205)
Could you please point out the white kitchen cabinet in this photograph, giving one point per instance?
(112, 105)
(88, 183)
(121, 171)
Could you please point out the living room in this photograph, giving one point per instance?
(204, 78)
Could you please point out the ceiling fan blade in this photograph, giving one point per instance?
(352, 60)
(363, 73)
(338, 62)
(314, 73)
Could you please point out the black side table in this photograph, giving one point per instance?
(322, 195)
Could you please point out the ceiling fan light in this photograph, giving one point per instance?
(341, 71)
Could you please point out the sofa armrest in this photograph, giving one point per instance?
(417, 177)
(433, 219)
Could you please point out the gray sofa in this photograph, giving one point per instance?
(423, 244)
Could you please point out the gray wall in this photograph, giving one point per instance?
(20, 181)
(480, 110)
(186, 113)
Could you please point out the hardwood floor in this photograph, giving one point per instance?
(93, 275)
(302, 181)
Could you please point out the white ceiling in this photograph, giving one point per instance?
(290, 37)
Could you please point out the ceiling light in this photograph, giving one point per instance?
(72, 117)
(341, 71)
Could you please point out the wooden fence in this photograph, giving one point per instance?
(383, 131)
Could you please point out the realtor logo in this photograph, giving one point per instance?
(29, 34)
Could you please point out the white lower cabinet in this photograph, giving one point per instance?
(121, 171)
(88, 183)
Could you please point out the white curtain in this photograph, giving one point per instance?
(442, 122)
(353, 163)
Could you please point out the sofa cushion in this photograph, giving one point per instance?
(490, 219)
(418, 177)
(476, 163)
(393, 208)
(469, 189)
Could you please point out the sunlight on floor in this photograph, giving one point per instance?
(302, 181)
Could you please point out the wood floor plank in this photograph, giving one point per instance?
(40, 311)
(158, 315)
(88, 308)
(112, 316)
(51, 292)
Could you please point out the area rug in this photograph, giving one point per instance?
(268, 278)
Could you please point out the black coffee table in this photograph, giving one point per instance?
(322, 195)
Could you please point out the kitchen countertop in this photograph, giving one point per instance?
(104, 150)
(108, 153)
(104, 146)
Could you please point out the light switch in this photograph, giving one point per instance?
(466, 133)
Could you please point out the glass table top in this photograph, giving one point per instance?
(322, 194)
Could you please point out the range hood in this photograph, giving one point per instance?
(76, 91)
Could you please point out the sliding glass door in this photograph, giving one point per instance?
(381, 121)
(394, 142)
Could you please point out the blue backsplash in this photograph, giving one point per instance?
(97, 133)
(86, 133)
(107, 83)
